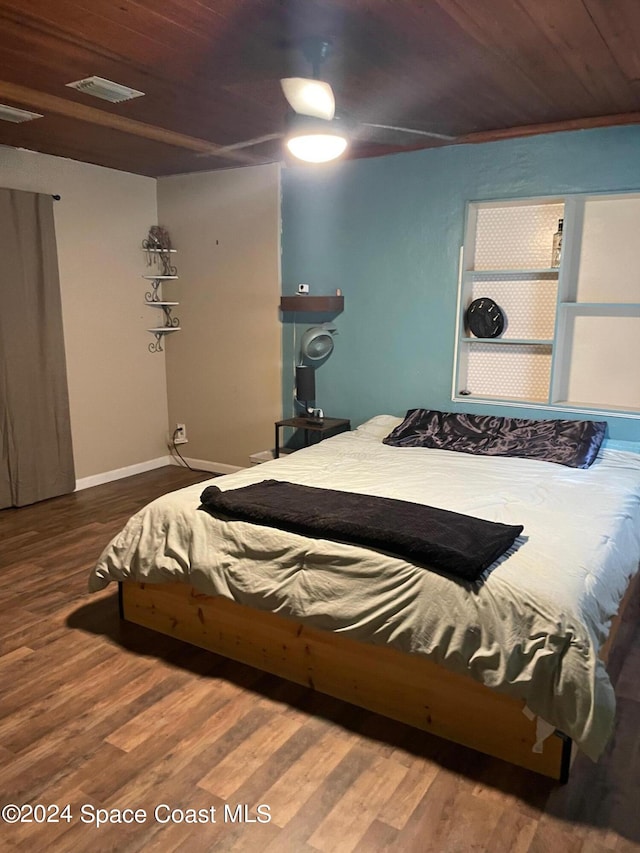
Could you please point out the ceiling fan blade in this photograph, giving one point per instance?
(236, 146)
(410, 130)
(309, 97)
(248, 143)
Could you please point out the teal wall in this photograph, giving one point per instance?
(387, 232)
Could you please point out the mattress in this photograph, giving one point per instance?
(530, 628)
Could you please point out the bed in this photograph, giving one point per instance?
(510, 664)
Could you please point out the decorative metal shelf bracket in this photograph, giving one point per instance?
(156, 346)
(169, 321)
(153, 295)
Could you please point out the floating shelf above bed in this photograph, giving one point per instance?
(327, 304)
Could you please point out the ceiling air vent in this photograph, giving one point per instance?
(15, 115)
(105, 89)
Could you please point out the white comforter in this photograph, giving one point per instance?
(531, 629)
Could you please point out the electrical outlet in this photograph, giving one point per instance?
(180, 434)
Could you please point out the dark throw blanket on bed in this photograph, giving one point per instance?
(456, 544)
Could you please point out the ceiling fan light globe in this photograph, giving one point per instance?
(317, 147)
(309, 97)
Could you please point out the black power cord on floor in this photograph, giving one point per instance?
(173, 449)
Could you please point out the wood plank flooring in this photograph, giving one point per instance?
(101, 714)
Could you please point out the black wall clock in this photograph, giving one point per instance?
(484, 318)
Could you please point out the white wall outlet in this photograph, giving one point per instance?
(303, 288)
(180, 435)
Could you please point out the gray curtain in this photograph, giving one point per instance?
(36, 456)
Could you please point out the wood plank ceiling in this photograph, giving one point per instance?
(473, 69)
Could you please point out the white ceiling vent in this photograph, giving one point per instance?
(105, 89)
(15, 115)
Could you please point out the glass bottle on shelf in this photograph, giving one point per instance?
(556, 250)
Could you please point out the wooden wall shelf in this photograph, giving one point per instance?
(326, 304)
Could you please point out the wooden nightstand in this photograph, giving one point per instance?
(325, 427)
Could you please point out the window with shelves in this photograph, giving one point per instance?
(572, 333)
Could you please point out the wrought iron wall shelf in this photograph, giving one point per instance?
(159, 253)
(159, 333)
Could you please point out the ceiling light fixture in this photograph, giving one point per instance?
(313, 133)
(315, 140)
(106, 90)
(309, 97)
(16, 116)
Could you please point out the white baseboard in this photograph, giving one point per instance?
(149, 465)
(214, 467)
(120, 473)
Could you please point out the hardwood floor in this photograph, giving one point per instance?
(101, 714)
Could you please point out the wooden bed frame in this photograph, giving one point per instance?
(405, 687)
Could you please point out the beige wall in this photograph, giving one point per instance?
(223, 371)
(224, 368)
(117, 390)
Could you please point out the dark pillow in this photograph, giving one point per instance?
(572, 443)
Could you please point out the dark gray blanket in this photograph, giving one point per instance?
(449, 542)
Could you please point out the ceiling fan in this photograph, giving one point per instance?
(315, 132)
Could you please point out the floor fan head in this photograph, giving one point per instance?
(316, 344)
